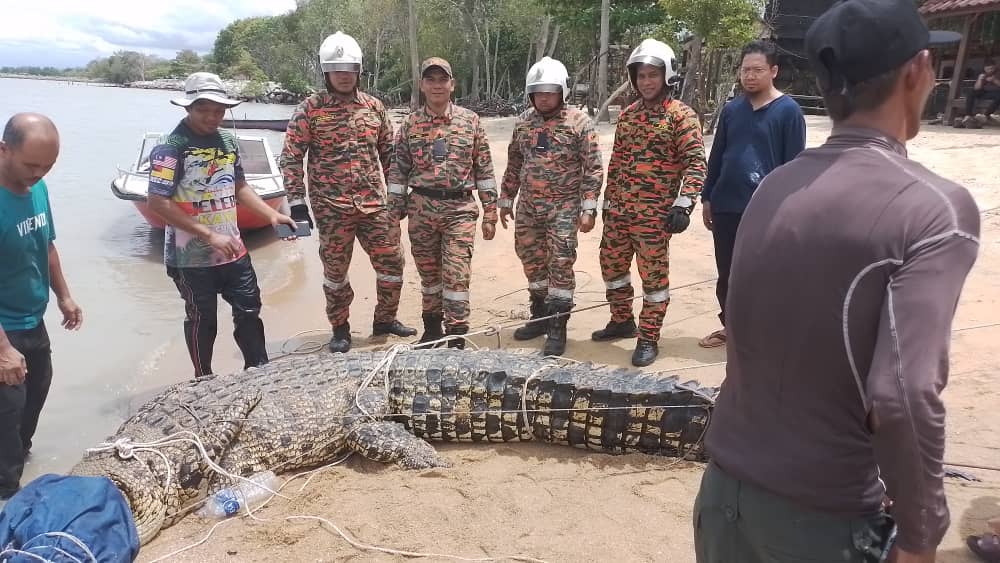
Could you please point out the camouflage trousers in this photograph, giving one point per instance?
(442, 233)
(625, 236)
(545, 239)
(379, 238)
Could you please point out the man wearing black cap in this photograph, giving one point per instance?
(848, 267)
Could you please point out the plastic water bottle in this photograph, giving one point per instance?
(229, 501)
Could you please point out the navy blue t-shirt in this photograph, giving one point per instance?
(748, 145)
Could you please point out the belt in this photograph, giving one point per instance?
(434, 193)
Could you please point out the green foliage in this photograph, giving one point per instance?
(720, 23)
(253, 89)
(186, 62)
(42, 71)
(496, 35)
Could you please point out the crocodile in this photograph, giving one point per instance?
(305, 411)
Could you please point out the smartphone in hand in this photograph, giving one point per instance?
(301, 230)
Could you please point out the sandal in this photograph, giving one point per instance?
(986, 546)
(714, 340)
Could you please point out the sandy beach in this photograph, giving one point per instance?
(555, 503)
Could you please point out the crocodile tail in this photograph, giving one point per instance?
(621, 411)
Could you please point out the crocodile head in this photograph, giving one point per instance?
(138, 483)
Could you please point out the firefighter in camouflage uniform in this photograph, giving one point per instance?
(656, 171)
(442, 155)
(554, 170)
(348, 138)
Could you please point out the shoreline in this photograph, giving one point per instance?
(66, 79)
(244, 90)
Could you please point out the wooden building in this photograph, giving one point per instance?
(958, 67)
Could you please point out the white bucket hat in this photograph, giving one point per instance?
(204, 86)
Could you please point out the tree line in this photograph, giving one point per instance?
(490, 43)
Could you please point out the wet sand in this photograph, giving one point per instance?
(555, 503)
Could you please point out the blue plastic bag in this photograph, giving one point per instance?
(66, 519)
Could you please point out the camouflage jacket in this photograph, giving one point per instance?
(658, 156)
(444, 152)
(555, 158)
(349, 144)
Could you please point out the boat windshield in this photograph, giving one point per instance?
(253, 156)
(148, 142)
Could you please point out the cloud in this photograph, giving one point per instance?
(71, 33)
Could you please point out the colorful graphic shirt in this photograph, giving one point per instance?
(445, 152)
(554, 159)
(349, 146)
(26, 230)
(658, 156)
(199, 173)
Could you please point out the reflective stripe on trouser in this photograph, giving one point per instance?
(643, 238)
(378, 235)
(442, 233)
(545, 239)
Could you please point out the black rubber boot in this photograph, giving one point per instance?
(624, 329)
(645, 353)
(395, 327)
(432, 327)
(458, 343)
(341, 341)
(555, 344)
(533, 329)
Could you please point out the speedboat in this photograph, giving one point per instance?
(259, 165)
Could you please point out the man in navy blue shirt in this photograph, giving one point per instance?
(757, 132)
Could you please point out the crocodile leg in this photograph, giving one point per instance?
(390, 442)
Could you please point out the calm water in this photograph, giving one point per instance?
(131, 344)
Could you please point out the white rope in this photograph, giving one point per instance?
(79, 543)
(126, 450)
(366, 547)
(384, 364)
(524, 394)
(10, 550)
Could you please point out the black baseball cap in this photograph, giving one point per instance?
(856, 40)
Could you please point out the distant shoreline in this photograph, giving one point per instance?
(70, 79)
(272, 92)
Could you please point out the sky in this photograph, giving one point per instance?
(70, 33)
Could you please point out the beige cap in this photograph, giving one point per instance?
(436, 62)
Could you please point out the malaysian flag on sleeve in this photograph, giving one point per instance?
(162, 171)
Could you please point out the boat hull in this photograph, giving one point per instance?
(246, 220)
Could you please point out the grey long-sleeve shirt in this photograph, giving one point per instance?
(846, 275)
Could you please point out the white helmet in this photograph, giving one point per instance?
(547, 75)
(340, 52)
(656, 53)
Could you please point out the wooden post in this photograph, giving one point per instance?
(956, 76)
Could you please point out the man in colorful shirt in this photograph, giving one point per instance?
(443, 155)
(348, 137)
(554, 166)
(656, 171)
(195, 183)
(29, 267)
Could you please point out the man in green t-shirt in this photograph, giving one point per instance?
(195, 181)
(29, 266)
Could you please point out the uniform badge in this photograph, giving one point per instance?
(542, 143)
(440, 149)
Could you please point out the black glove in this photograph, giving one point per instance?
(300, 214)
(677, 220)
